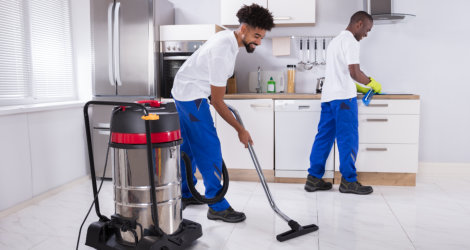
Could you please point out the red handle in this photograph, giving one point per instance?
(151, 103)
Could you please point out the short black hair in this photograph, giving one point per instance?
(360, 16)
(256, 16)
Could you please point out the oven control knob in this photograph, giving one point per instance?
(174, 48)
(168, 48)
(179, 48)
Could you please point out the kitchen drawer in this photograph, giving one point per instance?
(388, 128)
(387, 158)
(297, 105)
(385, 107)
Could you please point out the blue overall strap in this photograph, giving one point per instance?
(202, 145)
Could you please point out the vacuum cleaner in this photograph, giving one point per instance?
(145, 140)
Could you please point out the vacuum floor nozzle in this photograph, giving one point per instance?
(296, 231)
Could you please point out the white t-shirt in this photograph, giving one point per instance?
(212, 64)
(342, 51)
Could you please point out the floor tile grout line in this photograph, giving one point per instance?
(318, 221)
(398, 220)
(450, 194)
(244, 207)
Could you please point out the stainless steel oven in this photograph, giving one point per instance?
(173, 55)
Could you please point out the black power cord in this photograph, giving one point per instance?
(101, 184)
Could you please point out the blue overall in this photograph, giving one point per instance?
(202, 145)
(338, 120)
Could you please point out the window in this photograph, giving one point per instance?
(36, 63)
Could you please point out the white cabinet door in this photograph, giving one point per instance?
(296, 123)
(388, 158)
(292, 11)
(389, 107)
(388, 128)
(229, 9)
(258, 118)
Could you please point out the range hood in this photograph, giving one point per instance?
(382, 12)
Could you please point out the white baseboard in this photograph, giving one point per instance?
(443, 168)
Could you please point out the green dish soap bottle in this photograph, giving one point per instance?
(271, 86)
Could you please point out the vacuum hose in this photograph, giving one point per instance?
(189, 177)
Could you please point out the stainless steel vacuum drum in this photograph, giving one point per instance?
(131, 183)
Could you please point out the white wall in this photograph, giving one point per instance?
(41, 149)
(427, 56)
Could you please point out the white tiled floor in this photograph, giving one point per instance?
(433, 215)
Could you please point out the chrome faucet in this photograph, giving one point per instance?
(258, 89)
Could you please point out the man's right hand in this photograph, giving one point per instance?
(361, 89)
(245, 137)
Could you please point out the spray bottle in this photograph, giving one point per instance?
(368, 97)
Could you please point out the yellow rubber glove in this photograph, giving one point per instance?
(374, 85)
(361, 89)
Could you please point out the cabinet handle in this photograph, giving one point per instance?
(260, 105)
(382, 105)
(175, 58)
(304, 107)
(376, 149)
(377, 120)
(282, 18)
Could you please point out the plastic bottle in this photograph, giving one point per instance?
(271, 86)
(368, 97)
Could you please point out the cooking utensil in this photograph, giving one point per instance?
(324, 52)
(308, 65)
(315, 51)
(301, 62)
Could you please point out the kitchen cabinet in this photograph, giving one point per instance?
(284, 128)
(258, 118)
(229, 9)
(285, 13)
(388, 137)
(299, 12)
(296, 123)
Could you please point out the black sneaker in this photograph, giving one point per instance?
(354, 187)
(227, 215)
(314, 184)
(189, 201)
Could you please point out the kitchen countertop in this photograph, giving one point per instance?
(312, 96)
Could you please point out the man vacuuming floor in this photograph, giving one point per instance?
(205, 75)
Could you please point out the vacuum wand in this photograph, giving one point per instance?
(296, 229)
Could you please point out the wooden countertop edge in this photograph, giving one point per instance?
(313, 96)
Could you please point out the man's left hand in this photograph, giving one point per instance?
(374, 85)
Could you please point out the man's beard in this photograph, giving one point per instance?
(248, 48)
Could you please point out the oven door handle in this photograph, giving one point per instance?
(175, 57)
